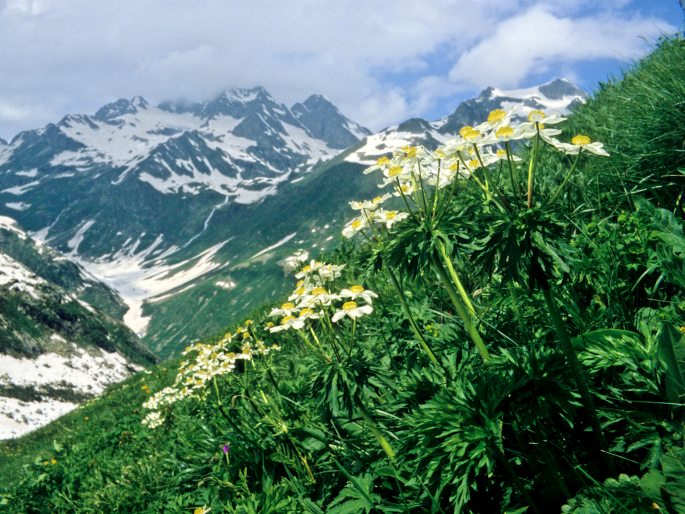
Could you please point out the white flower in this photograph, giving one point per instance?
(309, 269)
(330, 272)
(369, 205)
(389, 218)
(318, 297)
(153, 419)
(381, 163)
(395, 173)
(287, 323)
(308, 313)
(357, 291)
(287, 309)
(351, 310)
(582, 143)
(406, 188)
(354, 226)
(294, 261)
(537, 116)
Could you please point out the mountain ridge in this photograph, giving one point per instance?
(181, 211)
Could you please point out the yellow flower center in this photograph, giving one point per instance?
(287, 320)
(465, 130)
(317, 291)
(405, 188)
(306, 269)
(409, 151)
(299, 291)
(377, 199)
(306, 312)
(496, 115)
(383, 161)
(349, 306)
(300, 283)
(501, 153)
(356, 224)
(454, 166)
(536, 115)
(394, 171)
(580, 140)
(357, 289)
(504, 132)
(440, 154)
(473, 163)
(288, 306)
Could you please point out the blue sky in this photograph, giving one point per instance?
(380, 61)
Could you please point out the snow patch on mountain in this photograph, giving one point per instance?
(18, 206)
(20, 190)
(275, 245)
(76, 370)
(138, 280)
(18, 276)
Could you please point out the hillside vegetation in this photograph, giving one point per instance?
(513, 340)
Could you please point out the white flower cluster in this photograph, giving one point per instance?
(208, 361)
(313, 299)
(413, 168)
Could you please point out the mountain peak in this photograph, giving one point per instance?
(324, 121)
(237, 102)
(246, 94)
(121, 107)
(559, 88)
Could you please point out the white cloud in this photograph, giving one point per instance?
(375, 60)
(537, 39)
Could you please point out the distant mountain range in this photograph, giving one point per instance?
(60, 340)
(187, 208)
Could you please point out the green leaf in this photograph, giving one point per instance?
(671, 351)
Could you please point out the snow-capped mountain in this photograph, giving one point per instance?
(559, 96)
(58, 345)
(134, 191)
(186, 209)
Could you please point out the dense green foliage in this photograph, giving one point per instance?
(559, 389)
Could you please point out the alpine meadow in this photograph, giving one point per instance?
(498, 327)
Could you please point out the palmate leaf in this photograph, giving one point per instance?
(356, 497)
(523, 246)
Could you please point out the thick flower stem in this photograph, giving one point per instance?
(412, 323)
(531, 169)
(465, 316)
(576, 371)
(455, 278)
(382, 441)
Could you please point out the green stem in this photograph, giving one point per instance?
(465, 316)
(531, 167)
(382, 441)
(436, 193)
(412, 323)
(512, 170)
(576, 371)
(406, 202)
(566, 179)
(460, 287)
